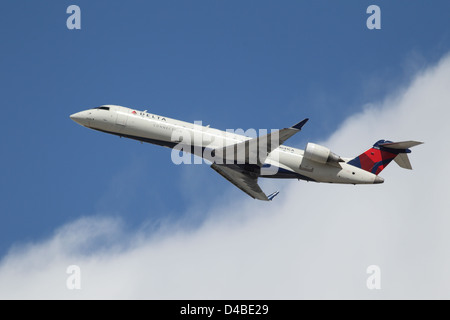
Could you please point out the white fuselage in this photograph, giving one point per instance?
(140, 125)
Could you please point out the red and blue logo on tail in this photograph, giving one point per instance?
(377, 158)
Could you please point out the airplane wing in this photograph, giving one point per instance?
(253, 151)
(246, 181)
(250, 151)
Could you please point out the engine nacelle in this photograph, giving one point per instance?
(320, 154)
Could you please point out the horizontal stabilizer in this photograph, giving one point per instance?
(403, 161)
(400, 145)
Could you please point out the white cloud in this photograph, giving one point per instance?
(313, 241)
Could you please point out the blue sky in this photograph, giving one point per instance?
(231, 64)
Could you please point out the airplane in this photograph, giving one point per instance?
(241, 159)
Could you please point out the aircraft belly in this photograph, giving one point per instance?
(341, 173)
(284, 174)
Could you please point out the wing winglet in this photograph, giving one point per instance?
(272, 195)
(299, 125)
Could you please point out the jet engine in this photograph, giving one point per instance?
(320, 154)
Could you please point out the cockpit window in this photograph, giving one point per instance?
(103, 108)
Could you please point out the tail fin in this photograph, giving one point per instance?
(382, 153)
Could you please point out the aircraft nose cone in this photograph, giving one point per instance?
(79, 118)
(378, 180)
(75, 116)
